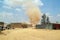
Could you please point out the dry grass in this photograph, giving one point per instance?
(30, 34)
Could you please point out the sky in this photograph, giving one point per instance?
(15, 10)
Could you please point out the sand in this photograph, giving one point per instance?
(30, 34)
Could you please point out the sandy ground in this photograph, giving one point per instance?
(30, 34)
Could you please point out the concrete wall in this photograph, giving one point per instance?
(49, 26)
(46, 26)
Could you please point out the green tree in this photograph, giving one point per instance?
(43, 21)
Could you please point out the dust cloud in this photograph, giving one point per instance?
(34, 13)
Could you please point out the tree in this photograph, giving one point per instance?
(47, 20)
(43, 21)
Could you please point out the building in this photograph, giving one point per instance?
(49, 26)
(56, 26)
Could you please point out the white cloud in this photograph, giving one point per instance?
(49, 15)
(14, 3)
(58, 15)
(38, 2)
(6, 15)
(8, 7)
(10, 17)
(9, 2)
(18, 9)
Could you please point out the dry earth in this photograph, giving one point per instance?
(30, 34)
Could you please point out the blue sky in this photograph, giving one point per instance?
(14, 11)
